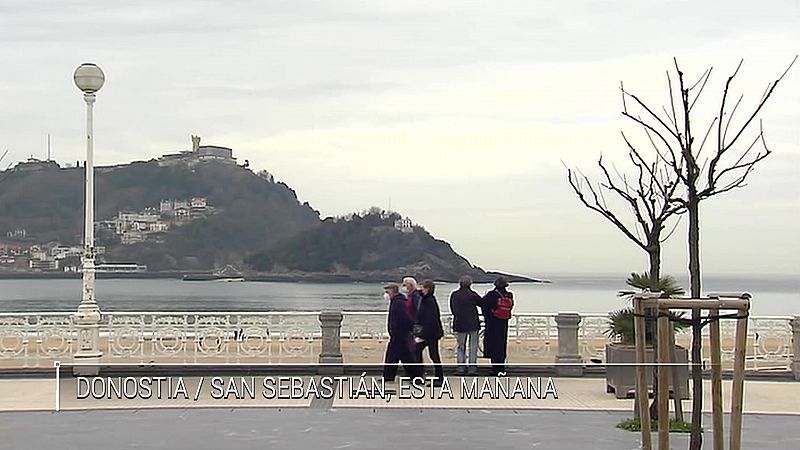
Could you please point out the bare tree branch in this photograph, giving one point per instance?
(598, 206)
(704, 78)
(758, 108)
(649, 111)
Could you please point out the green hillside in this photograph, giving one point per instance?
(251, 222)
(250, 212)
(368, 247)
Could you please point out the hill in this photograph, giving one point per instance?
(249, 211)
(189, 215)
(372, 246)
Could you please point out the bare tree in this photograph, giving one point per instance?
(647, 194)
(719, 163)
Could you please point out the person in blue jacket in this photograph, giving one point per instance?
(401, 346)
(495, 334)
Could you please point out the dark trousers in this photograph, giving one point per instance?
(495, 344)
(433, 352)
(498, 365)
(399, 350)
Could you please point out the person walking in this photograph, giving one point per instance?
(496, 306)
(401, 346)
(464, 303)
(428, 329)
(413, 296)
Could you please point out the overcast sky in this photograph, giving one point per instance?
(460, 112)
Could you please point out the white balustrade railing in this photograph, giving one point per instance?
(36, 339)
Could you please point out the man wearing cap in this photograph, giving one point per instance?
(400, 344)
(496, 307)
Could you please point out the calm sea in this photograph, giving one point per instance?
(772, 295)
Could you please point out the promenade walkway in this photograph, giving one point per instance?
(353, 429)
(583, 416)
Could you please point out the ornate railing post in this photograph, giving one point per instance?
(796, 347)
(568, 358)
(331, 352)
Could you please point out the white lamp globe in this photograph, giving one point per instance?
(89, 78)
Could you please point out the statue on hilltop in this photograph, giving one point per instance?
(195, 143)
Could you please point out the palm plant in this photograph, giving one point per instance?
(620, 322)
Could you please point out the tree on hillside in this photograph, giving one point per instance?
(720, 162)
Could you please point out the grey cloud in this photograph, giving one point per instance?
(248, 70)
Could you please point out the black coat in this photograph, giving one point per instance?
(399, 323)
(415, 297)
(495, 337)
(464, 304)
(428, 323)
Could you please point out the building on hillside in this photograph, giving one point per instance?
(217, 153)
(11, 249)
(38, 252)
(199, 203)
(145, 225)
(141, 221)
(35, 165)
(43, 264)
(198, 207)
(199, 153)
(63, 251)
(19, 233)
(166, 207)
(405, 225)
(40, 257)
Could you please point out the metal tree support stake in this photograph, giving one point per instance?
(795, 324)
(739, 302)
(641, 371)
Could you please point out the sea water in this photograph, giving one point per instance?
(772, 295)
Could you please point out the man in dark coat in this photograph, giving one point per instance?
(401, 345)
(495, 336)
(464, 303)
(428, 329)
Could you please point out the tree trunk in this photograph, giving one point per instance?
(696, 439)
(654, 252)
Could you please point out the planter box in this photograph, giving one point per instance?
(621, 379)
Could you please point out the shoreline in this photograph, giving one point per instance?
(286, 278)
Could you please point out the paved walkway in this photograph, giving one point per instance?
(352, 429)
(583, 416)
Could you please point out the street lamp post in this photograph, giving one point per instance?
(89, 79)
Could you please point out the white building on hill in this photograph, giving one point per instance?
(199, 153)
(405, 225)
